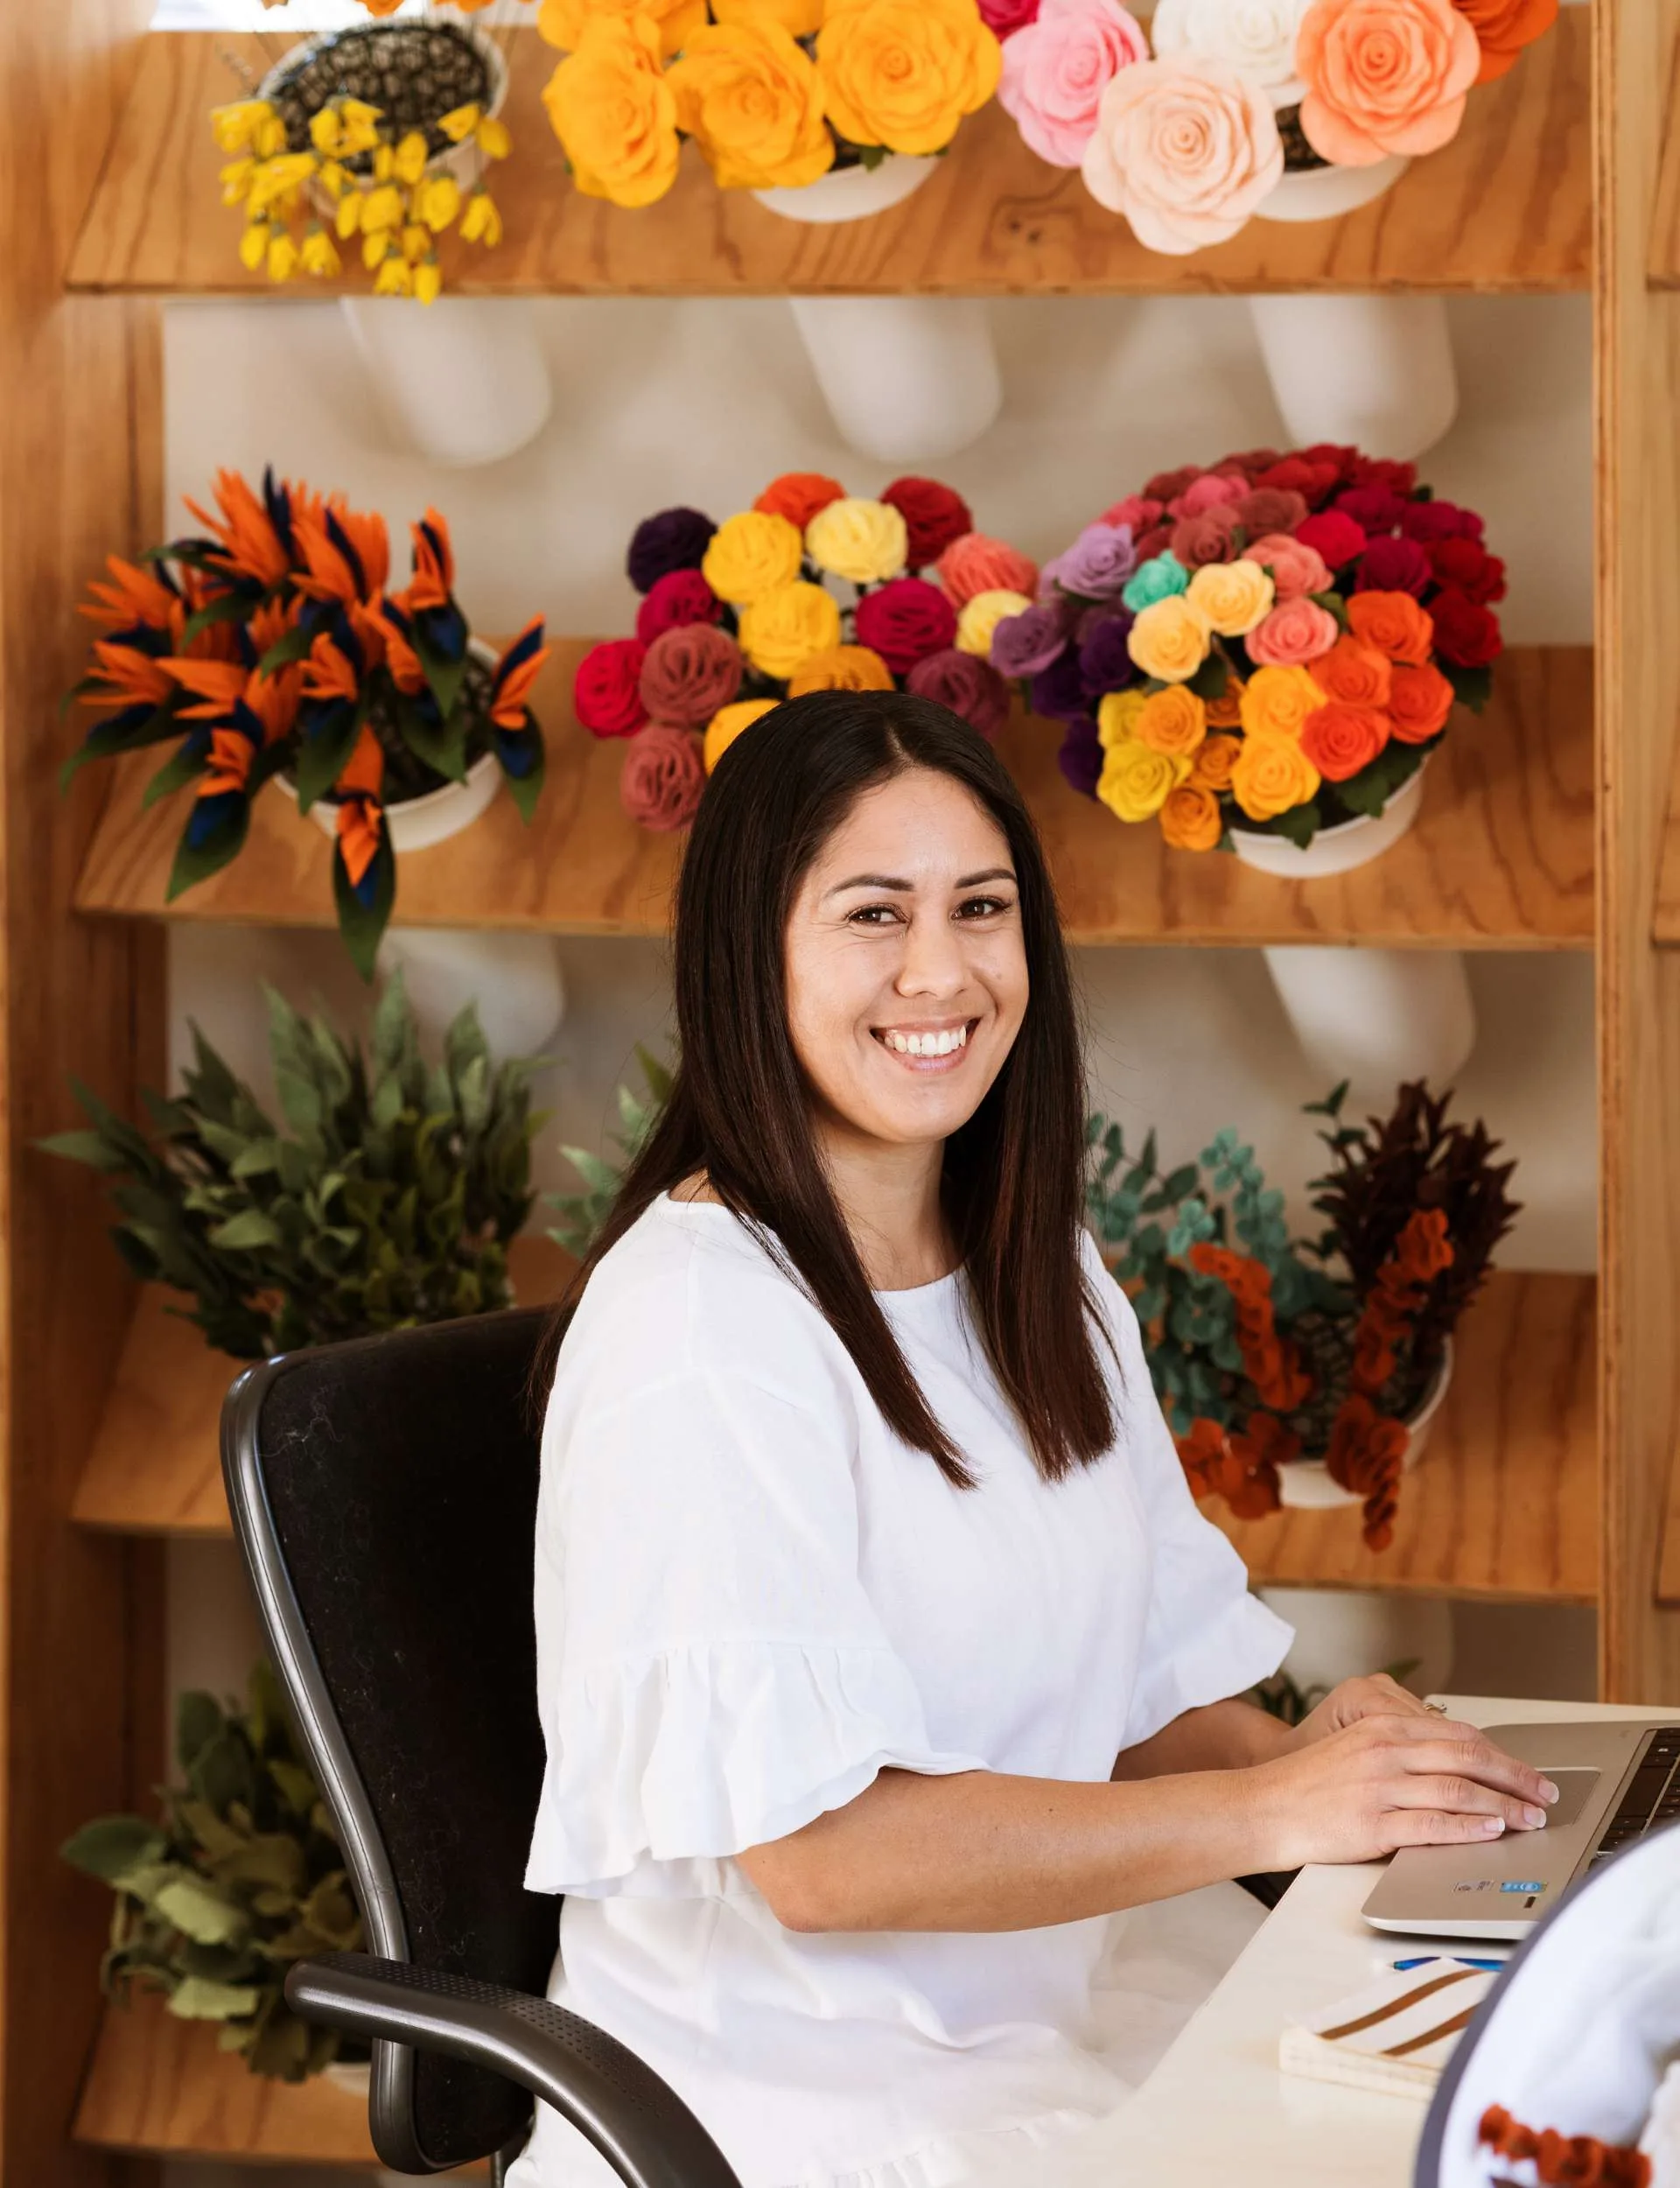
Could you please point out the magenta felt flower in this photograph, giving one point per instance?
(1057, 67)
(1335, 536)
(904, 621)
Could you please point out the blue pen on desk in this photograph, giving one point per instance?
(1458, 1959)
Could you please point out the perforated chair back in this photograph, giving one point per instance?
(384, 1495)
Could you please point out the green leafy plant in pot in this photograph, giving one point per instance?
(389, 1196)
(241, 1877)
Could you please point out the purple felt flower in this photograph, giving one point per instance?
(1394, 565)
(1059, 690)
(1097, 564)
(675, 539)
(1105, 663)
(1023, 644)
(1081, 756)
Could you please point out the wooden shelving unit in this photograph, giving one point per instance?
(154, 1467)
(1507, 207)
(1504, 1505)
(1501, 857)
(158, 2085)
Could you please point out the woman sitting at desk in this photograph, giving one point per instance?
(883, 1652)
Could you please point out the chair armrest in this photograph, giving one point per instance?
(633, 2117)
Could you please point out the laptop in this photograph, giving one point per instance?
(1615, 1781)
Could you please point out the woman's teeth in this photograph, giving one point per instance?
(939, 1044)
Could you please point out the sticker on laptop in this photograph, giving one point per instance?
(1521, 1887)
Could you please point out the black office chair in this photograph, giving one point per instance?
(384, 1496)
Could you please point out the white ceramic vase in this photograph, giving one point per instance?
(1373, 371)
(461, 382)
(907, 379)
(1325, 194)
(1376, 1018)
(515, 979)
(852, 193)
(1339, 850)
(1305, 1484)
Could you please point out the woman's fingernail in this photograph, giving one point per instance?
(1493, 1826)
(1548, 1791)
(1533, 1818)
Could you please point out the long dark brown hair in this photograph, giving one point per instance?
(740, 1109)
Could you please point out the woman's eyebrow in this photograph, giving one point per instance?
(903, 888)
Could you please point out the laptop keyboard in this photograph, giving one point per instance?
(1652, 1798)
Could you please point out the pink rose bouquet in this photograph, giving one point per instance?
(1188, 129)
(1269, 647)
(810, 589)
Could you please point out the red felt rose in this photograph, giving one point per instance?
(1209, 538)
(663, 777)
(605, 693)
(905, 620)
(1467, 566)
(1335, 536)
(1303, 476)
(1466, 634)
(1166, 485)
(1148, 544)
(1381, 471)
(1346, 459)
(1429, 520)
(1420, 702)
(933, 515)
(680, 598)
(1250, 462)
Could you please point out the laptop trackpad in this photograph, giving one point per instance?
(1574, 1790)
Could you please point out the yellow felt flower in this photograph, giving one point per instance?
(318, 254)
(243, 125)
(726, 725)
(437, 201)
(409, 160)
(1173, 721)
(492, 138)
(613, 112)
(1234, 596)
(236, 178)
(859, 540)
(377, 245)
(361, 127)
(750, 97)
(1116, 717)
(283, 257)
(781, 630)
(334, 178)
(253, 246)
(841, 668)
(1169, 639)
(800, 18)
(460, 122)
(750, 554)
(904, 73)
(428, 281)
(394, 278)
(346, 217)
(980, 616)
(326, 130)
(1276, 702)
(278, 181)
(382, 208)
(1271, 774)
(481, 224)
(415, 243)
(563, 22)
(1135, 780)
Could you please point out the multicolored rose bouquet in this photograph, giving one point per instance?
(775, 93)
(270, 646)
(1189, 139)
(376, 137)
(1269, 646)
(1266, 1350)
(736, 617)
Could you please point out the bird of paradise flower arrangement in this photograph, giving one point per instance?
(317, 161)
(271, 645)
(1266, 1349)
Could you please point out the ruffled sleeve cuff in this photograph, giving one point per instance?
(1243, 1644)
(702, 1751)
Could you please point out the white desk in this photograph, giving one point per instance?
(1216, 2110)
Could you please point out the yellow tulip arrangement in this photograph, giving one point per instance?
(356, 182)
(775, 93)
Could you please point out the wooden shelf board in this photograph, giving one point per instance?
(1665, 922)
(156, 1465)
(159, 2084)
(1501, 859)
(1507, 207)
(1662, 269)
(1504, 1503)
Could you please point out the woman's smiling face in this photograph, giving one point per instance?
(906, 970)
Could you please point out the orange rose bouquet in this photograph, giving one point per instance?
(1269, 648)
(777, 93)
(1190, 128)
(811, 589)
(1271, 1353)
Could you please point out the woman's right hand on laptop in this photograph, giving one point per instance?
(1388, 1781)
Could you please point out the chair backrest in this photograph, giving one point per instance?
(384, 1495)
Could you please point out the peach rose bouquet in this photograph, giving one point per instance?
(777, 93)
(1269, 647)
(1188, 128)
(810, 589)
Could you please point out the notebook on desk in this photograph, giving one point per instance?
(1615, 1782)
